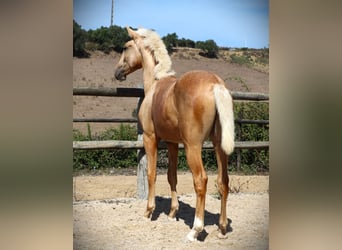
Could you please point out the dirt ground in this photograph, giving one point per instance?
(108, 216)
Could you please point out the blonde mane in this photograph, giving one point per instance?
(159, 52)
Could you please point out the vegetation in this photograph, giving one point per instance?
(170, 41)
(186, 43)
(113, 38)
(241, 59)
(252, 161)
(79, 39)
(98, 159)
(209, 47)
(105, 39)
(250, 56)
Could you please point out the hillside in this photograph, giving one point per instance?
(98, 71)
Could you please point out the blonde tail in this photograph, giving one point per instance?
(224, 106)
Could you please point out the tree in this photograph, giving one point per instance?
(209, 48)
(119, 37)
(170, 41)
(79, 39)
(107, 39)
(186, 43)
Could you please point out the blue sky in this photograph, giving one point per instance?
(230, 23)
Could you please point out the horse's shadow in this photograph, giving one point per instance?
(187, 213)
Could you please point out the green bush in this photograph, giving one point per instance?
(170, 41)
(242, 60)
(107, 39)
(209, 47)
(96, 159)
(91, 46)
(255, 160)
(186, 43)
(263, 56)
(79, 39)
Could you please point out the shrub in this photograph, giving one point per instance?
(91, 46)
(186, 43)
(96, 159)
(107, 39)
(170, 41)
(79, 39)
(242, 60)
(252, 161)
(209, 47)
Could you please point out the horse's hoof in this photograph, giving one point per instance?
(221, 236)
(189, 240)
(192, 236)
(148, 214)
(146, 219)
(171, 218)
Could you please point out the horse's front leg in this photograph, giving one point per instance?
(172, 177)
(151, 144)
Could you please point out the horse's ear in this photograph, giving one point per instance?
(132, 33)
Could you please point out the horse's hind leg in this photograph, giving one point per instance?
(172, 177)
(222, 181)
(150, 145)
(200, 179)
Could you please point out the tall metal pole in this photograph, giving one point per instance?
(111, 18)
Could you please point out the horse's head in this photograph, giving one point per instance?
(129, 62)
(146, 49)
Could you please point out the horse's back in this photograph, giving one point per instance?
(199, 79)
(196, 84)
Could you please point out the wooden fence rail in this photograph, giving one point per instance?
(104, 120)
(121, 144)
(134, 120)
(142, 161)
(118, 92)
(139, 92)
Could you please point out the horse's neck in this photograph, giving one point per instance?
(148, 68)
(149, 79)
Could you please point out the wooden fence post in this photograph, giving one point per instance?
(142, 186)
(238, 151)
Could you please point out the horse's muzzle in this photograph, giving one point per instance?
(120, 74)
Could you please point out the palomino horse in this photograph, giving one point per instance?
(187, 110)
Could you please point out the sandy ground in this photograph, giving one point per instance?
(108, 216)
